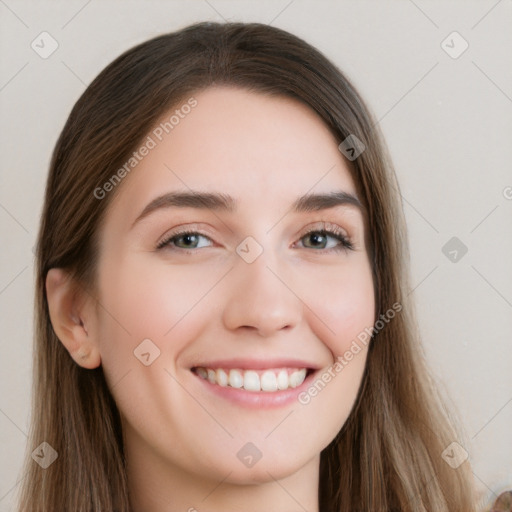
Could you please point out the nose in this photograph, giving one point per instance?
(261, 297)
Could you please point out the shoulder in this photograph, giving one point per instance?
(503, 503)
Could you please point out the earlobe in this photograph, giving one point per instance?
(71, 318)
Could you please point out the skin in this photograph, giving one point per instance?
(298, 298)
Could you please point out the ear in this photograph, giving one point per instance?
(72, 317)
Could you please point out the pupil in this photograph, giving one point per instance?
(316, 238)
(188, 239)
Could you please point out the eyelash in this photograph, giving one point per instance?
(333, 231)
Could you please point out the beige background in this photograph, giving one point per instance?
(447, 121)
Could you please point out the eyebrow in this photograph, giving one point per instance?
(223, 202)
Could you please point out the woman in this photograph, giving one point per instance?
(275, 364)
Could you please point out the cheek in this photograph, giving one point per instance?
(158, 301)
(341, 315)
(152, 298)
(344, 305)
(155, 302)
(166, 305)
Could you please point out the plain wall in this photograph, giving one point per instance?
(448, 125)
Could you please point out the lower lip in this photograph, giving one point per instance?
(258, 399)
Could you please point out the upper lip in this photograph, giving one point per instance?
(256, 364)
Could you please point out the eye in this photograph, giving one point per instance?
(320, 238)
(189, 240)
(183, 240)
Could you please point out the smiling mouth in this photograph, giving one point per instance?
(269, 380)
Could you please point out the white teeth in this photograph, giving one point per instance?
(202, 373)
(251, 380)
(282, 379)
(211, 376)
(222, 378)
(235, 379)
(297, 378)
(269, 381)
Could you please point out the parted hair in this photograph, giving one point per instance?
(387, 456)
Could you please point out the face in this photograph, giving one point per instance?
(262, 291)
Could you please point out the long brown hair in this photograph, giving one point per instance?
(388, 454)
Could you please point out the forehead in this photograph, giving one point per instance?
(263, 150)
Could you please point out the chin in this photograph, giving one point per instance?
(263, 471)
